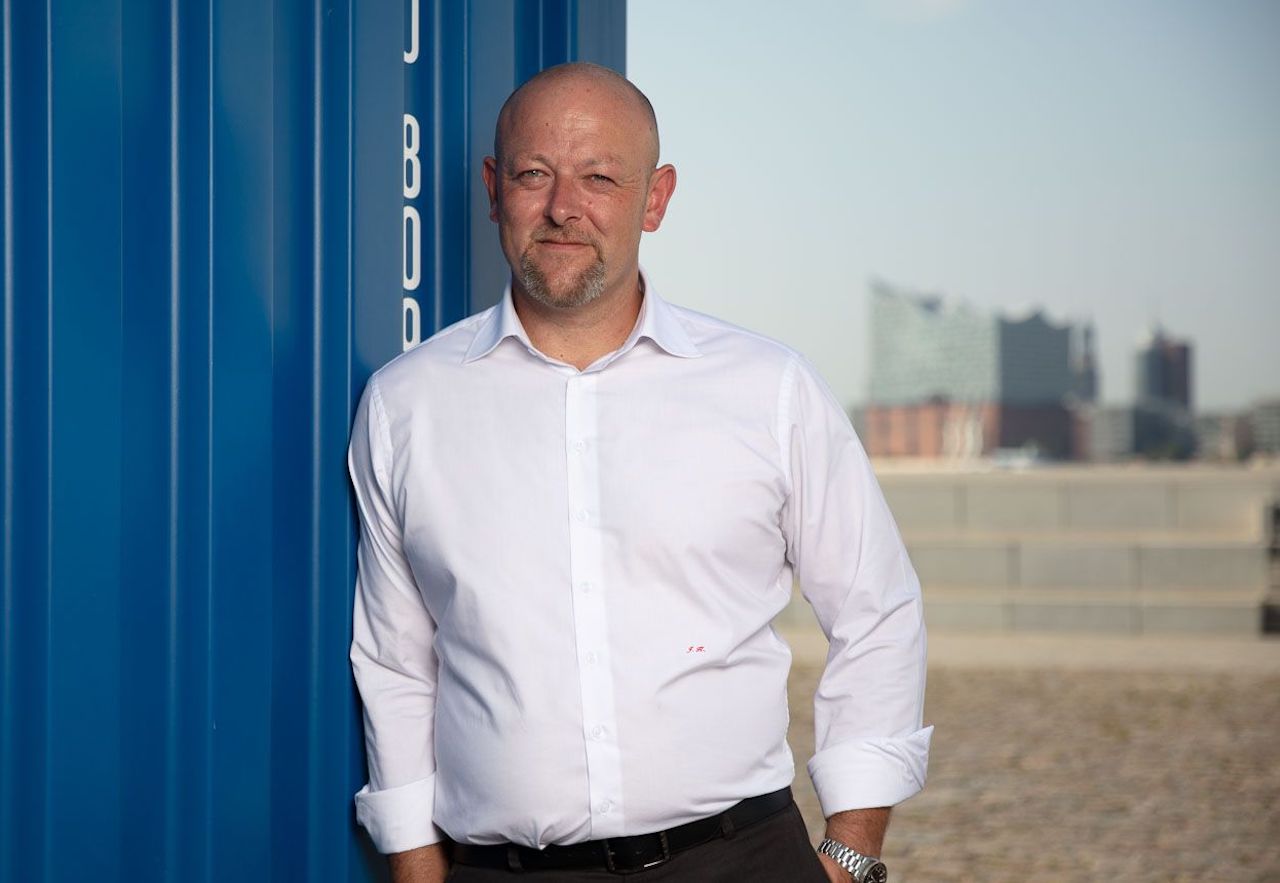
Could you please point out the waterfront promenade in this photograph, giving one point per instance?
(1073, 756)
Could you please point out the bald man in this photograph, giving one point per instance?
(580, 512)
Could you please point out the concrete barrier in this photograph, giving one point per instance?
(1114, 549)
(1078, 564)
(959, 563)
(1003, 506)
(1204, 565)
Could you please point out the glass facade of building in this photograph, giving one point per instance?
(923, 348)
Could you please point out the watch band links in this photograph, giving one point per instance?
(863, 868)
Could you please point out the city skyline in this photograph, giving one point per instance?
(1108, 164)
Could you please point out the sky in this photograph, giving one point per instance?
(1118, 162)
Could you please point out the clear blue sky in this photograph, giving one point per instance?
(1113, 160)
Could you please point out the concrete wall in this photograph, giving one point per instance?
(1224, 501)
(1118, 549)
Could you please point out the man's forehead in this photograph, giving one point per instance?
(574, 96)
(584, 157)
(579, 141)
(576, 105)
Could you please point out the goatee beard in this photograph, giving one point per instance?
(586, 287)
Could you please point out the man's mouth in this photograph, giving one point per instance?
(563, 246)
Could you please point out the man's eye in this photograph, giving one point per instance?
(530, 174)
(601, 179)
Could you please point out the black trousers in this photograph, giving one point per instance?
(773, 850)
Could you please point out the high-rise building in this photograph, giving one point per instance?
(1084, 363)
(949, 379)
(1163, 426)
(1163, 370)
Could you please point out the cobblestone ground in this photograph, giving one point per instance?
(1060, 775)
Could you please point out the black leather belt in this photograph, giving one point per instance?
(626, 855)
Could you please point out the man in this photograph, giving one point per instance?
(580, 511)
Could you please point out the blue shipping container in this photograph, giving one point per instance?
(219, 216)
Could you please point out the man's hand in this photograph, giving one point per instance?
(426, 864)
(860, 829)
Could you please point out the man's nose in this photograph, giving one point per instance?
(564, 202)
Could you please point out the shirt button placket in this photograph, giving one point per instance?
(590, 614)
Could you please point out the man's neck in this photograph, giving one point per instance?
(580, 335)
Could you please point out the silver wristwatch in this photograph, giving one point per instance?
(864, 868)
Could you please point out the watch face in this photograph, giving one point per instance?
(877, 873)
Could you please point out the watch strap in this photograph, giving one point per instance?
(863, 868)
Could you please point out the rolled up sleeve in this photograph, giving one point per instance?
(872, 748)
(391, 652)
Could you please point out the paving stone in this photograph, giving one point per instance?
(1050, 775)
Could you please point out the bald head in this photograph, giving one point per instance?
(608, 87)
(573, 184)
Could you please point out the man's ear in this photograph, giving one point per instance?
(662, 183)
(490, 174)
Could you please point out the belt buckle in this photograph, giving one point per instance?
(615, 868)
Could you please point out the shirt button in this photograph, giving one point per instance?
(592, 658)
(585, 587)
(583, 514)
(604, 807)
(579, 446)
(597, 732)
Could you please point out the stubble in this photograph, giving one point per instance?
(585, 287)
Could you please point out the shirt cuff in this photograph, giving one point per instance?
(399, 818)
(860, 774)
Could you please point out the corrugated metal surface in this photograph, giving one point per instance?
(200, 211)
(469, 57)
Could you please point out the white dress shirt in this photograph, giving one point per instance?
(567, 581)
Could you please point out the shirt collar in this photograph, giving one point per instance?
(658, 322)
(501, 323)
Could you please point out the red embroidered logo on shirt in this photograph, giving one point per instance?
(693, 649)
